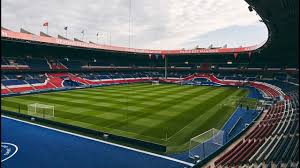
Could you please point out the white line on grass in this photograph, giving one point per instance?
(198, 116)
(109, 143)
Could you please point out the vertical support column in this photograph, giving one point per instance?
(166, 67)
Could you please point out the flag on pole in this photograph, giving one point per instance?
(249, 54)
(66, 29)
(235, 55)
(45, 24)
(82, 34)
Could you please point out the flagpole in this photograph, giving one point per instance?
(129, 24)
(110, 38)
(82, 34)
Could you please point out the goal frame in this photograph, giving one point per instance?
(198, 142)
(37, 109)
(155, 82)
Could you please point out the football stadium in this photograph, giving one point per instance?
(77, 103)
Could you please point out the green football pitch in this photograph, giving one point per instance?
(166, 114)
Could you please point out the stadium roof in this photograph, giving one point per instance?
(44, 34)
(282, 20)
(10, 35)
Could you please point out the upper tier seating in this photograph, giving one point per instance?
(38, 64)
(71, 64)
(13, 64)
(4, 61)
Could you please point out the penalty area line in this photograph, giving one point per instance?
(104, 142)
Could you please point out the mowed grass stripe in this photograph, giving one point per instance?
(106, 95)
(127, 100)
(67, 115)
(50, 99)
(129, 126)
(157, 108)
(90, 119)
(187, 116)
(86, 117)
(214, 118)
(129, 87)
(186, 101)
(130, 112)
(111, 89)
(125, 93)
(103, 94)
(150, 109)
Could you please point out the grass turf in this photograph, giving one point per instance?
(167, 114)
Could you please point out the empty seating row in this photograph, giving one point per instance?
(278, 133)
(26, 82)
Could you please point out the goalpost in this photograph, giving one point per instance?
(205, 144)
(155, 82)
(41, 110)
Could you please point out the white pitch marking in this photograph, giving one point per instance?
(109, 143)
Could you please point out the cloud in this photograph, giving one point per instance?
(232, 36)
(155, 24)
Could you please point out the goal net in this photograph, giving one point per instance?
(41, 110)
(206, 143)
(156, 82)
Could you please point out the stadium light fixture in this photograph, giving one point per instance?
(250, 8)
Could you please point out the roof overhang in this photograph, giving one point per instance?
(17, 36)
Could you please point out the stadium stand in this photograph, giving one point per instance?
(38, 64)
(273, 141)
(264, 137)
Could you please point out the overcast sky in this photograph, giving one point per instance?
(154, 24)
